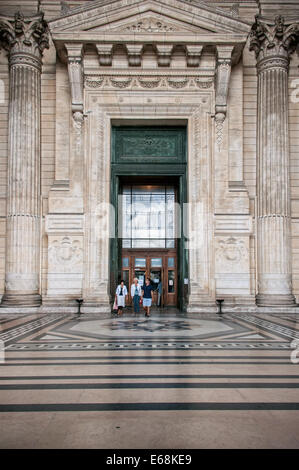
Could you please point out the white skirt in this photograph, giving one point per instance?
(121, 300)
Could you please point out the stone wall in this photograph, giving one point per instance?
(235, 173)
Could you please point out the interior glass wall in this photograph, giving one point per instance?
(148, 216)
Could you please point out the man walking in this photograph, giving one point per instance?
(135, 294)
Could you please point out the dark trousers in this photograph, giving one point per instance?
(136, 299)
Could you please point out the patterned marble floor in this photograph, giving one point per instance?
(168, 381)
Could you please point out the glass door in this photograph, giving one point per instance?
(156, 268)
(171, 280)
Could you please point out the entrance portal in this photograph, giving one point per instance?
(159, 266)
(149, 239)
(148, 192)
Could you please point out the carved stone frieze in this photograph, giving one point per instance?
(147, 82)
(149, 25)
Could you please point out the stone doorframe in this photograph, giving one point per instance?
(78, 261)
(200, 164)
(100, 92)
(102, 109)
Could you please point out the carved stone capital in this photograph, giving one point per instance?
(25, 38)
(273, 41)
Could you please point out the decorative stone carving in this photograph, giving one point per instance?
(231, 250)
(64, 8)
(121, 83)
(24, 36)
(219, 120)
(25, 39)
(64, 253)
(273, 40)
(201, 289)
(147, 81)
(234, 11)
(134, 54)
(164, 54)
(150, 82)
(75, 71)
(149, 26)
(273, 43)
(223, 70)
(105, 53)
(193, 55)
(177, 83)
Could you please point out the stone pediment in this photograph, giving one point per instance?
(149, 16)
(149, 22)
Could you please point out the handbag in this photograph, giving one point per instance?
(115, 305)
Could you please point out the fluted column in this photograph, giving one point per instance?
(273, 42)
(24, 38)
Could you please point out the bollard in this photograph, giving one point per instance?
(219, 302)
(79, 305)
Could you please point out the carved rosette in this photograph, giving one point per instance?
(273, 42)
(25, 38)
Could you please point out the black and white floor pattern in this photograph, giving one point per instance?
(169, 381)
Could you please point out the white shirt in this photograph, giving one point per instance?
(124, 290)
(133, 287)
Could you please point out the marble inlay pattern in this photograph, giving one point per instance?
(89, 381)
(161, 331)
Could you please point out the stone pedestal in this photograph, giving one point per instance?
(273, 43)
(25, 39)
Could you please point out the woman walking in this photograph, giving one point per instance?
(147, 290)
(136, 294)
(120, 297)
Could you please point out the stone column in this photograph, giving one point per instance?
(273, 43)
(25, 39)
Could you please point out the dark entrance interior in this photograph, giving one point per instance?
(149, 222)
(148, 189)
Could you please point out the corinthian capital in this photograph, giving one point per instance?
(269, 39)
(24, 34)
